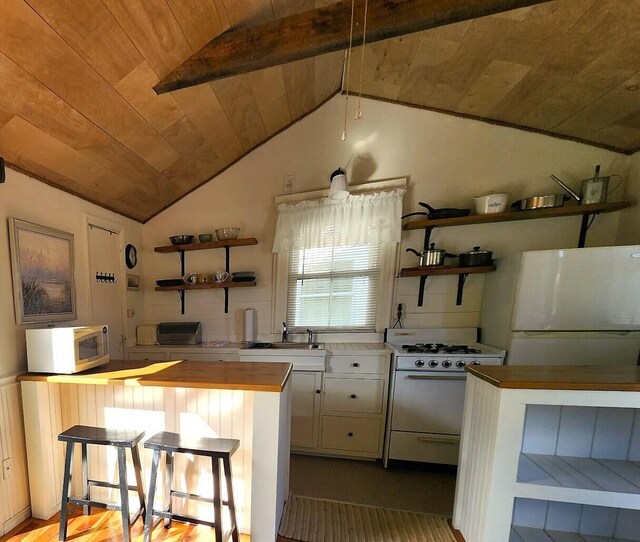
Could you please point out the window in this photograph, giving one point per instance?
(334, 287)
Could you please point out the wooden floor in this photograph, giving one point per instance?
(104, 526)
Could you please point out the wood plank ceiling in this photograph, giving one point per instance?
(77, 108)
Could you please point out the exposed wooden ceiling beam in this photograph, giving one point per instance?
(320, 31)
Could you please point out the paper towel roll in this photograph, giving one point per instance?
(250, 324)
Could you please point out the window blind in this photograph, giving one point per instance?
(334, 287)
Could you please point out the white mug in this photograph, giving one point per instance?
(222, 276)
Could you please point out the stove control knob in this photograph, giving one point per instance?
(419, 363)
(446, 364)
(460, 364)
(433, 363)
(475, 362)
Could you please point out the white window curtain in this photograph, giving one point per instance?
(362, 219)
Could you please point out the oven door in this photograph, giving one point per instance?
(426, 402)
(426, 418)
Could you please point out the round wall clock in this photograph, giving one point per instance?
(130, 256)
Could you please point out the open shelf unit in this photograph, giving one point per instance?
(226, 245)
(588, 213)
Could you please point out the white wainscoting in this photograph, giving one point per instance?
(209, 413)
(14, 485)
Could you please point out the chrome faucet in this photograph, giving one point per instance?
(309, 336)
(285, 333)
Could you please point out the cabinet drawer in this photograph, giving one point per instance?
(423, 447)
(352, 434)
(358, 364)
(148, 356)
(353, 395)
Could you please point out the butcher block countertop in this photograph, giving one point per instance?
(560, 377)
(223, 375)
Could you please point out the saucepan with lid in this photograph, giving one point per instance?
(475, 257)
(431, 256)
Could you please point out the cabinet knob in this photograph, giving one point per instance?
(349, 434)
(318, 391)
(353, 396)
(356, 364)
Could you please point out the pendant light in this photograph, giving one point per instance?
(339, 188)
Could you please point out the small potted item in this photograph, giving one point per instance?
(476, 257)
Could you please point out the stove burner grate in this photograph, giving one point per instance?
(439, 348)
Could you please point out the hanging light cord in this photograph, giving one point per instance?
(348, 71)
(364, 42)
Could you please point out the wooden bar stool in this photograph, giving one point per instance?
(120, 439)
(215, 448)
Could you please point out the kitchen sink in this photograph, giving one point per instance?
(286, 346)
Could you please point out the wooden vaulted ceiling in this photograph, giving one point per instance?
(77, 108)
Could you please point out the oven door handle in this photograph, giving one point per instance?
(434, 377)
(452, 439)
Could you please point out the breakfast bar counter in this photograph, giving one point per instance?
(550, 452)
(250, 402)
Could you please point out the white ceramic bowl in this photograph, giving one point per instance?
(491, 203)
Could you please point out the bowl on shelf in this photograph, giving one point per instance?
(163, 283)
(243, 276)
(205, 237)
(227, 234)
(181, 239)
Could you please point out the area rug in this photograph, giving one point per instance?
(317, 520)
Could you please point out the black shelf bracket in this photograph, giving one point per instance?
(462, 277)
(587, 221)
(181, 294)
(423, 282)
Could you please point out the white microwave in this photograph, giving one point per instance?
(67, 350)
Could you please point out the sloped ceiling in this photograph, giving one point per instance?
(77, 108)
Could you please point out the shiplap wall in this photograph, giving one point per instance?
(14, 486)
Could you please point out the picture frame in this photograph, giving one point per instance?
(42, 268)
(133, 282)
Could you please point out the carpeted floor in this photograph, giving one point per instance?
(365, 482)
(317, 520)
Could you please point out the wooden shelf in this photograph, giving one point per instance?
(554, 212)
(445, 270)
(228, 284)
(181, 249)
(207, 246)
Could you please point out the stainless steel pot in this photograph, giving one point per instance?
(540, 202)
(431, 256)
(475, 257)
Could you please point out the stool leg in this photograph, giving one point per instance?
(226, 461)
(137, 467)
(124, 494)
(148, 520)
(168, 484)
(86, 510)
(66, 489)
(217, 498)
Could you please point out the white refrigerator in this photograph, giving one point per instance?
(570, 306)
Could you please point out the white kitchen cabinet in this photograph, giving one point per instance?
(354, 401)
(305, 408)
(551, 464)
(193, 353)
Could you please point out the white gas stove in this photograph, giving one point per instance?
(426, 396)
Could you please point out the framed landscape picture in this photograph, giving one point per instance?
(42, 268)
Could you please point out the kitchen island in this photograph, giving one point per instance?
(550, 453)
(228, 399)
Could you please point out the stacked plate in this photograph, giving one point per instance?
(243, 276)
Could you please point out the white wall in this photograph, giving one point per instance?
(449, 160)
(28, 199)
(629, 229)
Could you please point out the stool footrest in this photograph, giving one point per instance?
(106, 505)
(184, 519)
(100, 483)
(195, 497)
